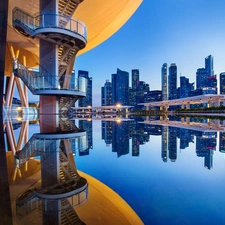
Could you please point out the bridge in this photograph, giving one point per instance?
(100, 109)
(186, 102)
(210, 126)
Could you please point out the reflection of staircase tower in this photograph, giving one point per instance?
(61, 187)
(60, 40)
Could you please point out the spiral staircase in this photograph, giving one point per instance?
(67, 36)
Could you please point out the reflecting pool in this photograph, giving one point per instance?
(117, 171)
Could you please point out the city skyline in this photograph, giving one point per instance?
(193, 31)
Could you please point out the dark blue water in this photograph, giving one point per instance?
(167, 175)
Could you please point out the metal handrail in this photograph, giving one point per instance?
(50, 21)
(44, 80)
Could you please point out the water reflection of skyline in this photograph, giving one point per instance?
(58, 188)
(127, 136)
(117, 135)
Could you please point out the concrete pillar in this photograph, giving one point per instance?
(3, 31)
(160, 107)
(188, 120)
(188, 105)
(147, 107)
(217, 123)
(49, 53)
(5, 206)
(182, 106)
(209, 104)
(217, 103)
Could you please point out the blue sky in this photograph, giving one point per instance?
(172, 31)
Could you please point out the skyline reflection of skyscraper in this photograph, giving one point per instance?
(164, 82)
(205, 146)
(164, 143)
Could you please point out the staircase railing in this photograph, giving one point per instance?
(42, 80)
(35, 80)
(34, 147)
(49, 21)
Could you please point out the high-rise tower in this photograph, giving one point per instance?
(86, 101)
(172, 82)
(222, 83)
(106, 97)
(209, 65)
(164, 81)
(120, 88)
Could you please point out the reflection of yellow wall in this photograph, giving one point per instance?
(102, 18)
(104, 206)
(16, 174)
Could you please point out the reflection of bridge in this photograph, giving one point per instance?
(186, 124)
(100, 109)
(208, 99)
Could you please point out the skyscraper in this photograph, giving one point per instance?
(201, 78)
(172, 82)
(133, 89)
(222, 83)
(205, 78)
(164, 81)
(185, 87)
(134, 78)
(120, 88)
(86, 101)
(107, 94)
(209, 65)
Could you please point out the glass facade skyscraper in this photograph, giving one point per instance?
(164, 81)
(134, 78)
(222, 83)
(107, 94)
(209, 65)
(185, 87)
(86, 101)
(205, 78)
(120, 88)
(172, 82)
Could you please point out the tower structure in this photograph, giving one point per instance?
(87, 100)
(222, 83)
(205, 78)
(209, 65)
(164, 81)
(106, 97)
(172, 82)
(120, 87)
(60, 39)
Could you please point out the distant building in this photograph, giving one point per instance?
(142, 88)
(153, 96)
(222, 83)
(172, 82)
(185, 87)
(134, 78)
(133, 89)
(164, 81)
(120, 88)
(195, 92)
(107, 94)
(209, 65)
(205, 77)
(201, 78)
(86, 101)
